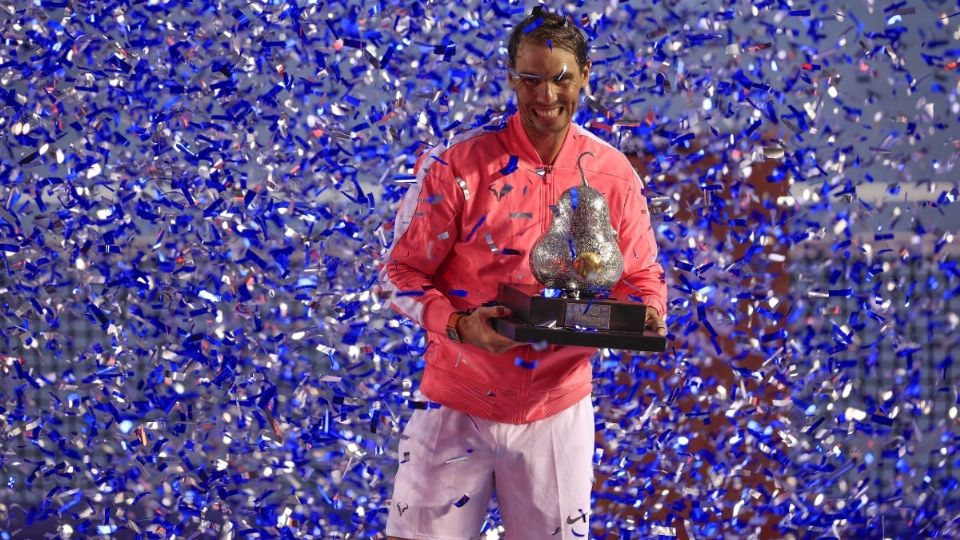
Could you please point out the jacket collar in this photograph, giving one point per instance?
(520, 143)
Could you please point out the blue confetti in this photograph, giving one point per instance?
(193, 214)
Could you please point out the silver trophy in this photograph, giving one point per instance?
(580, 251)
(577, 261)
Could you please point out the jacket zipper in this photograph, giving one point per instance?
(525, 372)
(546, 191)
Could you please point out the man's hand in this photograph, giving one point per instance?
(475, 329)
(655, 322)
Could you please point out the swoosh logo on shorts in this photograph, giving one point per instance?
(581, 517)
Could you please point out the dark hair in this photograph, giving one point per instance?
(542, 26)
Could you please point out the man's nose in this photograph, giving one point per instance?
(547, 90)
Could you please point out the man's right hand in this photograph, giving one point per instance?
(476, 330)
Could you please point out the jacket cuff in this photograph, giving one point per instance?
(658, 305)
(436, 314)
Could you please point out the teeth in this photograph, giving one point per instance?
(548, 113)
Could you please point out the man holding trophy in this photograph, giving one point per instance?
(544, 216)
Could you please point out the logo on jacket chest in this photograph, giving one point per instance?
(500, 189)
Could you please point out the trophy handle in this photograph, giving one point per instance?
(583, 177)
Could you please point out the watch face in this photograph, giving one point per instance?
(452, 328)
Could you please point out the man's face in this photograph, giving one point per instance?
(547, 82)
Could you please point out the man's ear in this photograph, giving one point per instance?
(585, 75)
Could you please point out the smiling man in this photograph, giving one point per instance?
(505, 417)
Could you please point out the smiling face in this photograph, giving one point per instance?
(547, 82)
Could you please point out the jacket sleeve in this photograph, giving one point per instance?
(426, 228)
(642, 278)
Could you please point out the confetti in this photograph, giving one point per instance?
(463, 187)
(195, 199)
(510, 166)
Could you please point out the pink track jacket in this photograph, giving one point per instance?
(468, 223)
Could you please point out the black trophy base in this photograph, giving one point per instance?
(587, 322)
(601, 339)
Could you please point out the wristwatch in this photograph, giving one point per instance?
(452, 331)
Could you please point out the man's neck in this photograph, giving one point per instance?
(548, 148)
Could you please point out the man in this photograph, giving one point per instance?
(513, 419)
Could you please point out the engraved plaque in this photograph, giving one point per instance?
(587, 316)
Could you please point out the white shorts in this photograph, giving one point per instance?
(451, 464)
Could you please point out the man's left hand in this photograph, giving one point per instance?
(655, 322)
